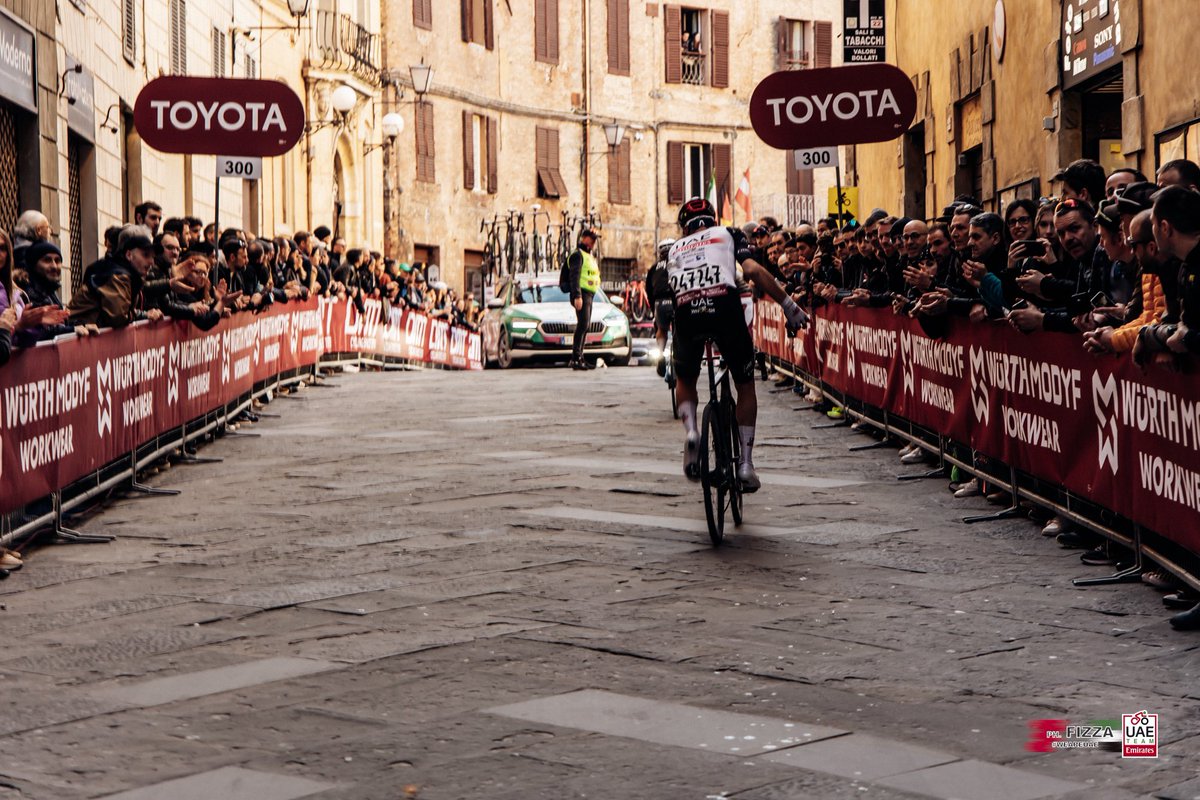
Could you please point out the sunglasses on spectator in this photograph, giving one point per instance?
(1136, 242)
(1067, 206)
(1019, 221)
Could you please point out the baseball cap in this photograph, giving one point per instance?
(1136, 197)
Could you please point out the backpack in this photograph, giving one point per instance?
(564, 276)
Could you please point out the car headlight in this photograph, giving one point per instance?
(613, 322)
(524, 324)
(654, 354)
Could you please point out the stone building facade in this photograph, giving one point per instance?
(83, 164)
(522, 92)
(1011, 90)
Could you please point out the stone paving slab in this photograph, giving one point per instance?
(667, 723)
(860, 756)
(977, 780)
(228, 783)
(191, 685)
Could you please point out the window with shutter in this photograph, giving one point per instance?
(619, 178)
(493, 147)
(545, 13)
(425, 146)
(720, 49)
(549, 177)
(218, 53)
(823, 44)
(423, 14)
(251, 67)
(477, 22)
(468, 132)
(129, 30)
(673, 31)
(178, 35)
(618, 37)
(675, 172)
(799, 181)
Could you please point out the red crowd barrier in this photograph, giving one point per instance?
(1125, 439)
(69, 408)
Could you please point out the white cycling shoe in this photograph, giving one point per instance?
(748, 478)
(691, 456)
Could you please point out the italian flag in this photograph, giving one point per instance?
(722, 203)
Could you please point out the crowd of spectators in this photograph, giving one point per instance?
(1114, 261)
(183, 270)
(178, 268)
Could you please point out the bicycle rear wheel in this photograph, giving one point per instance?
(713, 470)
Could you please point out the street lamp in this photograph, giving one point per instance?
(393, 126)
(422, 76)
(614, 132)
(298, 8)
(343, 100)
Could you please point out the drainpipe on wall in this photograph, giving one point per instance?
(587, 105)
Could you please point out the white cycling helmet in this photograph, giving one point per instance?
(664, 246)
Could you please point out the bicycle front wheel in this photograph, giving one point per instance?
(713, 468)
(735, 459)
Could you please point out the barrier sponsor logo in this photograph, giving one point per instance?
(1051, 735)
(981, 401)
(173, 373)
(906, 362)
(1104, 401)
(103, 397)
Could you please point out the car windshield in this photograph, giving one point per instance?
(548, 293)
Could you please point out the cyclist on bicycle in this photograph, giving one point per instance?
(662, 300)
(702, 269)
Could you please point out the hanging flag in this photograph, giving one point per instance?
(743, 196)
(726, 212)
(710, 193)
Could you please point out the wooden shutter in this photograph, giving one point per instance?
(129, 30)
(799, 181)
(782, 43)
(673, 28)
(489, 38)
(618, 37)
(426, 161)
(493, 145)
(423, 14)
(560, 186)
(675, 172)
(823, 44)
(720, 49)
(468, 124)
(178, 37)
(619, 168)
(723, 167)
(545, 31)
(466, 5)
(541, 162)
(552, 31)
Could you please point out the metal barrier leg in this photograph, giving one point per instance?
(136, 486)
(1011, 512)
(66, 535)
(1129, 575)
(841, 423)
(188, 456)
(884, 442)
(940, 472)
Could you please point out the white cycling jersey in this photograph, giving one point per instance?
(705, 263)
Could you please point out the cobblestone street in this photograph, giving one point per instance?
(506, 590)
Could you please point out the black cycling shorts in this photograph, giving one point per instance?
(721, 319)
(664, 314)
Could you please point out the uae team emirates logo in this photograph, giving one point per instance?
(981, 400)
(1104, 401)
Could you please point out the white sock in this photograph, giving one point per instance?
(687, 413)
(746, 432)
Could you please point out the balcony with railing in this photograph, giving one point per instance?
(341, 43)
(694, 68)
(796, 59)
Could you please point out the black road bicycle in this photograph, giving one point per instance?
(720, 450)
